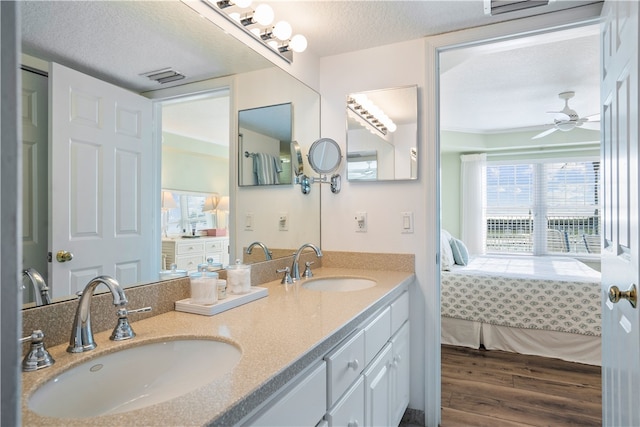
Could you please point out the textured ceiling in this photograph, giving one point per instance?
(482, 90)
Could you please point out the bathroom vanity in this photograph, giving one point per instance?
(330, 357)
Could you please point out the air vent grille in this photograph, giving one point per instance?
(165, 75)
(497, 7)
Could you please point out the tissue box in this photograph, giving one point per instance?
(216, 231)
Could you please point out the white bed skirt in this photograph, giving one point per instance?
(561, 345)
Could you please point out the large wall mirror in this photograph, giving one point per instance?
(382, 134)
(50, 31)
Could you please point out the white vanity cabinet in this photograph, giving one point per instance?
(301, 404)
(188, 253)
(363, 381)
(379, 394)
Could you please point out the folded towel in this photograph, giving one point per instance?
(266, 168)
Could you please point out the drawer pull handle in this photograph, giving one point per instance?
(353, 423)
(354, 364)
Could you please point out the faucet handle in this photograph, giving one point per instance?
(123, 330)
(307, 270)
(287, 276)
(38, 357)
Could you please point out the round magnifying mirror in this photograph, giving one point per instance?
(324, 156)
(296, 158)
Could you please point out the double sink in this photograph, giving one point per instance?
(151, 373)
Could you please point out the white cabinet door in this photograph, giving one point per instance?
(399, 393)
(349, 411)
(377, 381)
(303, 405)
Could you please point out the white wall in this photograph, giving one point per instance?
(383, 201)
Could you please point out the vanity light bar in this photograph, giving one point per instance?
(277, 37)
(372, 115)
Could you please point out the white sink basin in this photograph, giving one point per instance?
(338, 284)
(134, 378)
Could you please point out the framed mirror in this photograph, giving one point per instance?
(264, 143)
(382, 134)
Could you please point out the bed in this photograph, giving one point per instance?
(546, 306)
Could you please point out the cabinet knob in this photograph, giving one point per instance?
(354, 364)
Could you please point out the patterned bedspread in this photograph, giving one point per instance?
(527, 298)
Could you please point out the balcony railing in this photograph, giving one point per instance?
(565, 234)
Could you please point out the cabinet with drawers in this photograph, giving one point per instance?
(365, 379)
(188, 253)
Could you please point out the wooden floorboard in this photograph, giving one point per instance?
(496, 388)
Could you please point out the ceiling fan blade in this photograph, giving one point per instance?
(545, 133)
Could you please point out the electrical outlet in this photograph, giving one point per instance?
(248, 221)
(407, 222)
(361, 222)
(283, 221)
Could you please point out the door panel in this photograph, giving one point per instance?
(620, 257)
(102, 183)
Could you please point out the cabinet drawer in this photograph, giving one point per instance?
(349, 411)
(215, 246)
(344, 365)
(399, 312)
(302, 405)
(190, 248)
(376, 334)
(189, 263)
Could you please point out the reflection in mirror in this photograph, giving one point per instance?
(264, 144)
(256, 82)
(382, 134)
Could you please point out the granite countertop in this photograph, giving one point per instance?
(278, 335)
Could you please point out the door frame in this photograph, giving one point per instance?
(572, 18)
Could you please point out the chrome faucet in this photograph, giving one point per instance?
(295, 270)
(267, 252)
(82, 334)
(40, 288)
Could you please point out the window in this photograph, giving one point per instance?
(540, 208)
(188, 214)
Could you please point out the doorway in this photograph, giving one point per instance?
(519, 129)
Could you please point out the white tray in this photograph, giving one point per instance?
(231, 301)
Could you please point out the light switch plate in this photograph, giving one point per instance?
(361, 222)
(407, 222)
(248, 221)
(283, 221)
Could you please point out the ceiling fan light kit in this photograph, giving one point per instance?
(572, 121)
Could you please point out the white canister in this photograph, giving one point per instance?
(222, 289)
(204, 287)
(239, 278)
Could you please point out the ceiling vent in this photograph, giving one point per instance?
(497, 7)
(165, 75)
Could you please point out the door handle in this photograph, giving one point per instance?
(631, 295)
(64, 256)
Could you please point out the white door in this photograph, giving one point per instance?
(34, 176)
(620, 255)
(101, 179)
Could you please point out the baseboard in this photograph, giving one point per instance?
(413, 416)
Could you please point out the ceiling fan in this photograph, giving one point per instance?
(572, 120)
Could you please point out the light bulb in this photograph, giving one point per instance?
(235, 16)
(392, 127)
(282, 30)
(298, 43)
(242, 3)
(263, 14)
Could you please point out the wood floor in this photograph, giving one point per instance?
(501, 389)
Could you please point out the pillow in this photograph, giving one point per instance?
(460, 251)
(446, 255)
